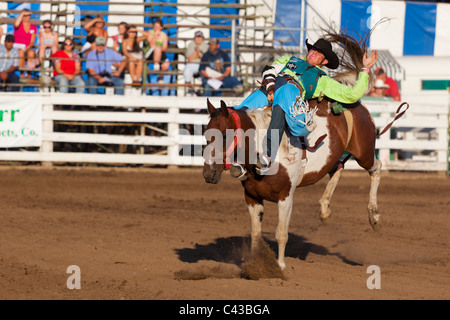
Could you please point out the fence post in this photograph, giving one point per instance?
(384, 154)
(47, 128)
(173, 133)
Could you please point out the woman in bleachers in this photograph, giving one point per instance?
(95, 28)
(24, 35)
(48, 40)
(131, 48)
(68, 68)
(118, 39)
(158, 42)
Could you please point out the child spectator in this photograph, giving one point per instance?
(48, 40)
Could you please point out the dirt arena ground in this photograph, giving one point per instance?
(166, 234)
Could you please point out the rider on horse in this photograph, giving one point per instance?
(290, 81)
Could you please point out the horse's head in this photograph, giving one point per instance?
(215, 134)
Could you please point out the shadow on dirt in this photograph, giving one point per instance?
(235, 249)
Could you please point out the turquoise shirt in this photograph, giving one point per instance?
(328, 86)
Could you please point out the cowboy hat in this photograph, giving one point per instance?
(379, 84)
(324, 47)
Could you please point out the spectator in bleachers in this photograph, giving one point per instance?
(157, 44)
(48, 40)
(215, 69)
(24, 35)
(9, 62)
(379, 89)
(131, 48)
(392, 89)
(194, 54)
(118, 38)
(67, 68)
(95, 28)
(105, 67)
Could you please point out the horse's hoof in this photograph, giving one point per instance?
(375, 222)
(325, 216)
(326, 221)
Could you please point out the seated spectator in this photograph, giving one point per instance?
(156, 47)
(95, 28)
(133, 52)
(24, 35)
(379, 89)
(194, 54)
(392, 90)
(67, 68)
(118, 38)
(48, 40)
(215, 69)
(105, 67)
(9, 62)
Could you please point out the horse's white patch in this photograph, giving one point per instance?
(318, 158)
(289, 153)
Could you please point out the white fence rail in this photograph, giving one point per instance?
(417, 141)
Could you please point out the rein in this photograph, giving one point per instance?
(237, 141)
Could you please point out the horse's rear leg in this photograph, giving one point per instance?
(325, 211)
(375, 177)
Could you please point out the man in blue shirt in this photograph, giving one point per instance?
(100, 63)
(215, 69)
(9, 62)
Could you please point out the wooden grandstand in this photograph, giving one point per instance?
(247, 29)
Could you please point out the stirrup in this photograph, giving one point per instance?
(263, 164)
(238, 171)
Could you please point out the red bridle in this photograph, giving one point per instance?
(237, 141)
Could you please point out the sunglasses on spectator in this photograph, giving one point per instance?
(68, 43)
(47, 27)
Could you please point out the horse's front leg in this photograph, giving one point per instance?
(284, 217)
(256, 211)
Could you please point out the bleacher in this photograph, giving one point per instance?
(243, 29)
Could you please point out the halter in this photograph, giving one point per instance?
(237, 141)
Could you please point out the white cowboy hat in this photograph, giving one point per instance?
(379, 84)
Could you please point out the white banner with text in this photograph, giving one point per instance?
(20, 122)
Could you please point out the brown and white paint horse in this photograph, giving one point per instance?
(296, 165)
(293, 169)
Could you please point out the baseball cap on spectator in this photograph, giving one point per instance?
(9, 38)
(199, 34)
(213, 41)
(100, 41)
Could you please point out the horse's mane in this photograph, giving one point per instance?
(350, 52)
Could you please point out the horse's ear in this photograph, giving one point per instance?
(211, 108)
(223, 107)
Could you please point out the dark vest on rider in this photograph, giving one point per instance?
(306, 74)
